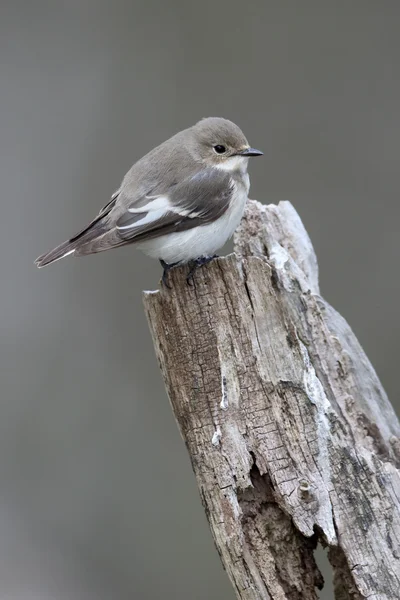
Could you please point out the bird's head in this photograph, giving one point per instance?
(221, 144)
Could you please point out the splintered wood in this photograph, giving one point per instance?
(290, 433)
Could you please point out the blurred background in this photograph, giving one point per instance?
(97, 497)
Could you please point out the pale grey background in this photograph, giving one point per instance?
(97, 499)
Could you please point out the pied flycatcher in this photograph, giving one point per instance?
(180, 203)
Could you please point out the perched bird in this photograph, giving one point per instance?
(180, 203)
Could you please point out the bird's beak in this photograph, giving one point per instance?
(250, 152)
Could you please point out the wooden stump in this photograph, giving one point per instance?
(290, 433)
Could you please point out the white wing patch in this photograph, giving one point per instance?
(154, 211)
(148, 217)
(156, 203)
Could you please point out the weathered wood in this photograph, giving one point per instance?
(291, 436)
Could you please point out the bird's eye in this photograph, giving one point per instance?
(219, 149)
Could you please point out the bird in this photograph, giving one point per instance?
(179, 203)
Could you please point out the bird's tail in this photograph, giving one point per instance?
(94, 230)
(57, 253)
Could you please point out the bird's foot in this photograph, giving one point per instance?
(167, 267)
(195, 264)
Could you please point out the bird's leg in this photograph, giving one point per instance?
(167, 267)
(195, 264)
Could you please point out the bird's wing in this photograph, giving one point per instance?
(198, 200)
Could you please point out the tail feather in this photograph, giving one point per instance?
(62, 250)
(94, 230)
(86, 235)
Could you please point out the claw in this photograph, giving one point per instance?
(166, 270)
(195, 264)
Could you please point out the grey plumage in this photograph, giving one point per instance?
(177, 186)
